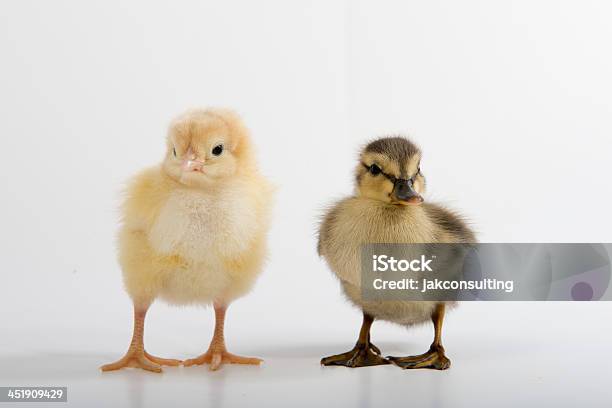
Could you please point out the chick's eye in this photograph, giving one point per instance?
(174, 151)
(375, 170)
(217, 150)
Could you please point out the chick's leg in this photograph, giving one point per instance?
(363, 354)
(434, 357)
(136, 355)
(217, 354)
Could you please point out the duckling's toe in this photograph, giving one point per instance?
(375, 349)
(434, 358)
(360, 356)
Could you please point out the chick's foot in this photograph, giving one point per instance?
(136, 355)
(362, 355)
(217, 354)
(217, 357)
(434, 358)
(133, 358)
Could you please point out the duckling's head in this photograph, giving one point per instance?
(389, 170)
(207, 146)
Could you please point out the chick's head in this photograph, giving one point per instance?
(389, 170)
(205, 147)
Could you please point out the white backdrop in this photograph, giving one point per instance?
(510, 101)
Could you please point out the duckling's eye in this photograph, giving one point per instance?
(375, 170)
(217, 150)
(174, 151)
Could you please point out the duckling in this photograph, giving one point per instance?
(194, 230)
(387, 207)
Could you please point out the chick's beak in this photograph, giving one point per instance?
(404, 193)
(192, 165)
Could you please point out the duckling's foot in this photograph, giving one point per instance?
(216, 358)
(434, 358)
(362, 355)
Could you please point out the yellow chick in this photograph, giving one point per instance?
(194, 229)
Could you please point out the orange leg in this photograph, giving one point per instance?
(136, 355)
(217, 354)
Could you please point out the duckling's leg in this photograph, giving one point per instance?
(363, 354)
(136, 355)
(435, 357)
(217, 354)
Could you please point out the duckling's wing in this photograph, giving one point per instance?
(327, 223)
(451, 226)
